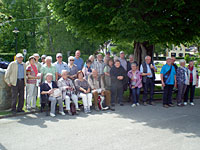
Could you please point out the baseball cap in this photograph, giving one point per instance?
(19, 55)
(168, 58)
(36, 55)
(122, 52)
(58, 55)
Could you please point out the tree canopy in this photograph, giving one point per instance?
(155, 21)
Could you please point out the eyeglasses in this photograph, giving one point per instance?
(71, 60)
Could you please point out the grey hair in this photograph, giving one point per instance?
(131, 55)
(181, 61)
(91, 56)
(69, 58)
(48, 74)
(63, 71)
(147, 56)
(48, 58)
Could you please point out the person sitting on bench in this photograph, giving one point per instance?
(68, 91)
(49, 90)
(96, 83)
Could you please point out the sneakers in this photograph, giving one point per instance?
(88, 110)
(145, 103)
(165, 106)
(121, 104)
(185, 103)
(192, 104)
(133, 105)
(112, 107)
(85, 110)
(62, 113)
(78, 109)
(69, 112)
(52, 115)
(138, 104)
(180, 105)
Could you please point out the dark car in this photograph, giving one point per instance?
(3, 64)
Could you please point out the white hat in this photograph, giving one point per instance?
(168, 58)
(43, 56)
(58, 55)
(19, 55)
(122, 52)
(36, 55)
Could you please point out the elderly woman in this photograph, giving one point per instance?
(49, 68)
(73, 68)
(107, 74)
(49, 91)
(87, 70)
(68, 91)
(135, 83)
(31, 71)
(193, 81)
(182, 81)
(84, 91)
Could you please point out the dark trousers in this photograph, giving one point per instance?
(149, 84)
(116, 92)
(167, 96)
(190, 89)
(135, 94)
(18, 92)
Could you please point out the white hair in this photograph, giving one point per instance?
(63, 71)
(48, 74)
(91, 56)
(70, 57)
(147, 57)
(131, 55)
(134, 64)
(181, 61)
(48, 58)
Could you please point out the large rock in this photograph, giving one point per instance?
(5, 92)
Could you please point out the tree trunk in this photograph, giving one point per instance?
(141, 50)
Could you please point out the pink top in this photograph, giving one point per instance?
(136, 78)
(33, 72)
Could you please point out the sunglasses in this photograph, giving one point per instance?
(71, 60)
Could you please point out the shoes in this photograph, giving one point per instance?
(145, 103)
(192, 104)
(165, 106)
(88, 110)
(85, 110)
(62, 113)
(137, 104)
(185, 103)
(180, 105)
(96, 108)
(112, 107)
(121, 104)
(170, 105)
(133, 105)
(52, 115)
(78, 109)
(69, 112)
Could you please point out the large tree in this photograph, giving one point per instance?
(145, 22)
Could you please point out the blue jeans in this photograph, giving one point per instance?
(136, 94)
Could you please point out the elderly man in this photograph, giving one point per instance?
(78, 60)
(37, 63)
(68, 91)
(43, 57)
(99, 64)
(15, 77)
(168, 79)
(60, 65)
(123, 61)
(49, 68)
(96, 83)
(148, 70)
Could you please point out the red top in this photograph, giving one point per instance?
(32, 69)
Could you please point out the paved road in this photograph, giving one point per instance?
(140, 128)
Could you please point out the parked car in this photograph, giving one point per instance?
(3, 64)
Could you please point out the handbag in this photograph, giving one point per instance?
(56, 93)
(166, 75)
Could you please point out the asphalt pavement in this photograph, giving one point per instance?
(127, 128)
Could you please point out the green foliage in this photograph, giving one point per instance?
(146, 20)
(123, 46)
(38, 31)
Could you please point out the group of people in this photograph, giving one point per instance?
(105, 77)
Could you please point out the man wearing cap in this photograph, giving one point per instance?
(60, 65)
(78, 60)
(43, 57)
(15, 77)
(168, 79)
(148, 70)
